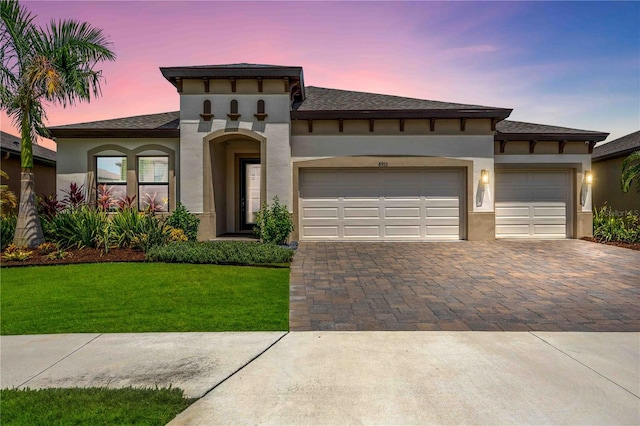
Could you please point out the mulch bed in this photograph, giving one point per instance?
(632, 246)
(86, 255)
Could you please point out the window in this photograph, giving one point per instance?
(153, 183)
(111, 179)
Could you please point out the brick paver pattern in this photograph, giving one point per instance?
(562, 285)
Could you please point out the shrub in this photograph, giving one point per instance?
(273, 223)
(74, 196)
(133, 229)
(182, 218)
(58, 254)
(19, 254)
(47, 248)
(610, 226)
(7, 229)
(79, 227)
(49, 206)
(221, 252)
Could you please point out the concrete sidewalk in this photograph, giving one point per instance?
(352, 377)
(193, 362)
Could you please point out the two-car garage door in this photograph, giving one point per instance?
(533, 203)
(381, 204)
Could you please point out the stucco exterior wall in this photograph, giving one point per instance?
(606, 186)
(45, 175)
(399, 151)
(73, 158)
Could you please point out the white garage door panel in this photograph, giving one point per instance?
(330, 231)
(381, 204)
(532, 204)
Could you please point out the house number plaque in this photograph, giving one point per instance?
(383, 164)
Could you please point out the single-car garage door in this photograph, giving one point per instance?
(533, 204)
(381, 204)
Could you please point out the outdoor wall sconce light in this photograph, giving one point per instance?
(588, 177)
(484, 177)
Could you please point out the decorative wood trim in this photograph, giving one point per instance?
(179, 84)
(261, 116)
(233, 117)
(206, 84)
(286, 84)
(503, 145)
(233, 84)
(206, 117)
(561, 146)
(310, 124)
(532, 146)
(341, 126)
(259, 84)
(401, 124)
(591, 145)
(432, 124)
(494, 121)
(463, 124)
(371, 121)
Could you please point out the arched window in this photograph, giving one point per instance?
(260, 114)
(233, 113)
(206, 110)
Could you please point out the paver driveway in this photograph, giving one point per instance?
(562, 285)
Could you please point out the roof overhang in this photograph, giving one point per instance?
(293, 74)
(497, 113)
(617, 154)
(585, 137)
(114, 133)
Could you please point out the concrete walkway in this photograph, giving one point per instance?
(353, 377)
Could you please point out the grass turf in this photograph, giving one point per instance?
(91, 406)
(142, 297)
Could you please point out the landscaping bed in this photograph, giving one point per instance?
(85, 255)
(632, 246)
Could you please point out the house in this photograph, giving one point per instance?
(607, 168)
(44, 165)
(348, 165)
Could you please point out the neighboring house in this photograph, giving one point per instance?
(607, 168)
(348, 165)
(44, 165)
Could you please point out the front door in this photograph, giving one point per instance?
(249, 192)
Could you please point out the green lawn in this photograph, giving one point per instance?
(142, 297)
(92, 406)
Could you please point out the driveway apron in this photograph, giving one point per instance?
(559, 285)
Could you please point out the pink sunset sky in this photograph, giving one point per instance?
(572, 64)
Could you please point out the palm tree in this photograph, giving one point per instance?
(51, 64)
(630, 172)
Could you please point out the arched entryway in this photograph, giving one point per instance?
(234, 180)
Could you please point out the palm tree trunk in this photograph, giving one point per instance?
(28, 228)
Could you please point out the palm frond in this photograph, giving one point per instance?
(630, 172)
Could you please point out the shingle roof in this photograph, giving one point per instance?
(323, 99)
(164, 120)
(239, 65)
(13, 143)
(508, 126)
(618, 147)
(508, 129)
